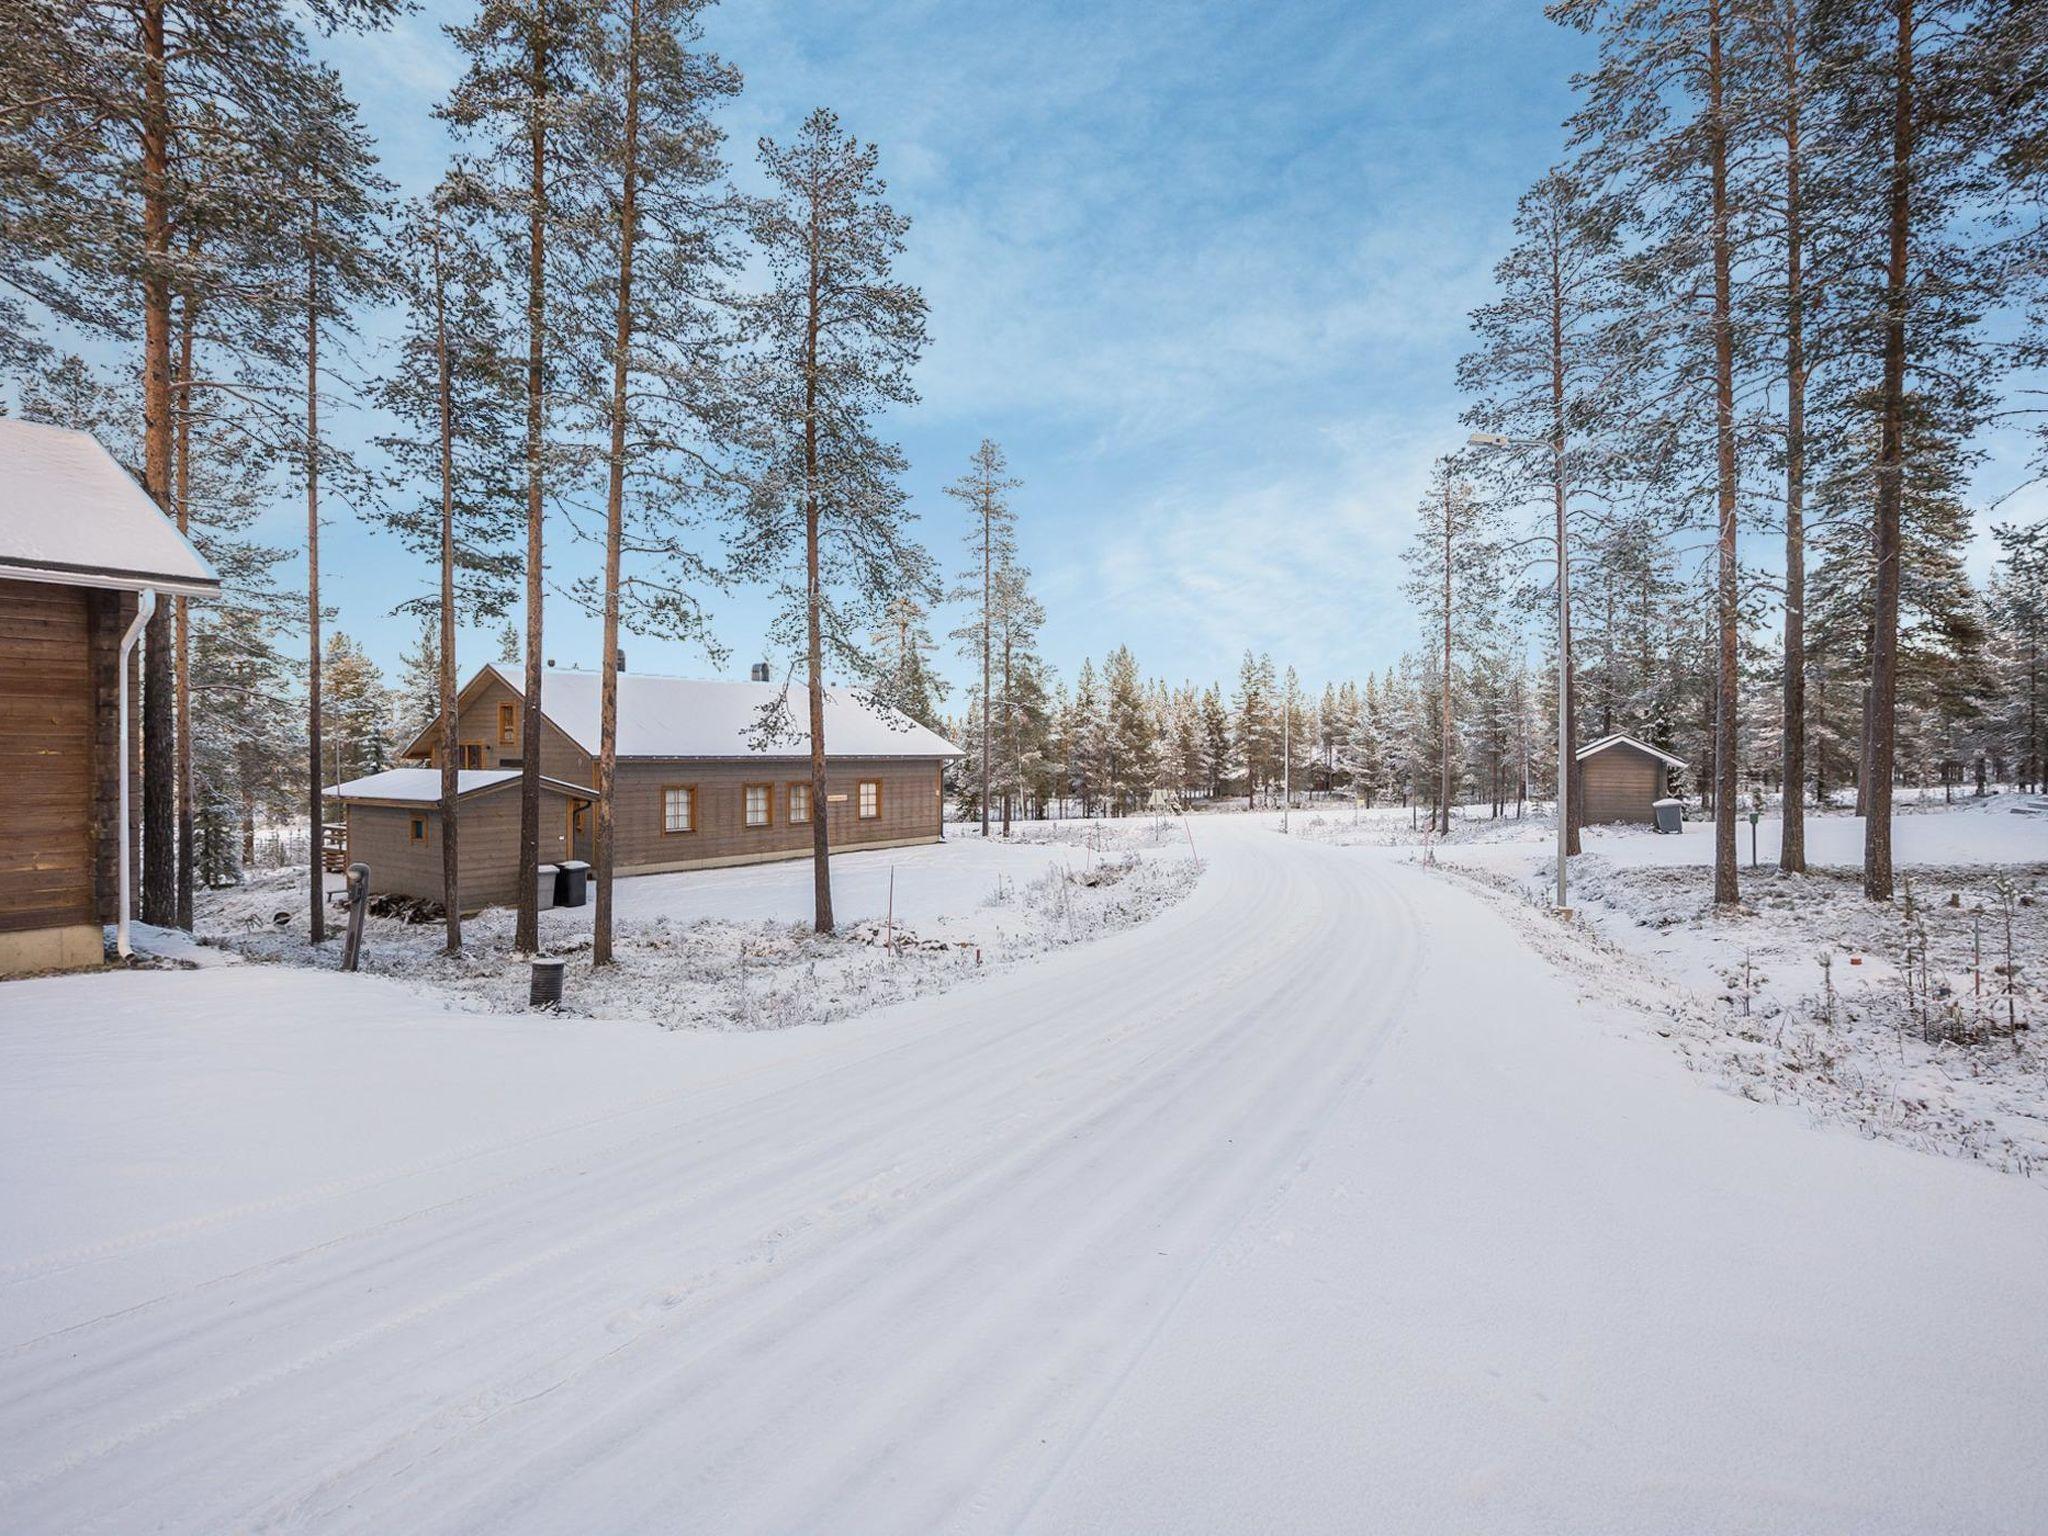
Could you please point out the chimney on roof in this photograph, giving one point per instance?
(759, 673)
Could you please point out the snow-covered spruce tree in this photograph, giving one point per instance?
(516, 106)
(1019, 676)
(1255, 725)
(904, 679)
(1453, 584)
(2018, 603)
(649, 357)
(836, 336)
(1133, 766)
(1085, 734)
(452, 392)
(1547, 366)
(357, 712)
(991, 538)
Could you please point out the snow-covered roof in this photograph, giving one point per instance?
(692, 717)
(1619, 739)
(70, 514)
(422, 786)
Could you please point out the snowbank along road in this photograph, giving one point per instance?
(1317, 1203)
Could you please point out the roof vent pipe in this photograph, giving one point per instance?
(759, 673)
(145, 605)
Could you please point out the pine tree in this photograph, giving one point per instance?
(1547, 368)
(516, 103)
(1454, 587)
(991, 545)
(837, 335)
(452, 393)
(656, 366)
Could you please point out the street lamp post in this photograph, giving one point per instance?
(1495, 440)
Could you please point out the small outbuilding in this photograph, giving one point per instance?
(1622, 779)
(394, 826)
(85, 557)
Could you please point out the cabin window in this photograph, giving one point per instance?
(870, 799)
(799, 804)
(472, 755)
(416, 828)
(679, 808)
(758, 800)
(508, 724)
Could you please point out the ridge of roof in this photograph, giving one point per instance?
(1623, 739)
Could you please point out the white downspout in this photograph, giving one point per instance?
(145, 605)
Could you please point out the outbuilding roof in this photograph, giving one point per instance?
(670, 717)
(422, 786)
(1618, 739)
(70, 514)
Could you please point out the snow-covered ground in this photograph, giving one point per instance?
(1321, 1201)
(733, 948)
(1802, 994)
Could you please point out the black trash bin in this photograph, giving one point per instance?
(1670, 815)
(572, 883)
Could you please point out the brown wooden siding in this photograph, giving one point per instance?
(477, 721)
(911, 808)
(48, 778)
(1620, 784)
(487, 836)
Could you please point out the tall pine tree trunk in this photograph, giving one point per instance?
(987, 620)
(526, 935)
(184, 626)
(615, 504)
(814, 638)
(451, 750)
(1891, 454)
(1444, 765)
(1725, 884)
(316, 916)
(1792, 843)
(159, 767)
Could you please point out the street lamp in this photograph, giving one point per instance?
(1496, 441)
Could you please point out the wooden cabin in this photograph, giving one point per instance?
(394, 826)
(694, 788)
(1621, 780)
(85, 556)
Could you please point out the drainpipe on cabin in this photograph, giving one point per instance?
(145, 605)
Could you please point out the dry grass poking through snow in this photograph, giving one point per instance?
(726, 974)
(1901, 1020)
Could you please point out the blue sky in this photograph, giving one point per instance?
(1201, 268)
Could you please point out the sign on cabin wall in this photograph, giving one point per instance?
(835, 799)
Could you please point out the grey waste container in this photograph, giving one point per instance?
(572, 883)
(544, 894)
(1670, 815)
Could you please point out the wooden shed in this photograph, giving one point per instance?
(394, 826)
(85, 557)
(1621, 780)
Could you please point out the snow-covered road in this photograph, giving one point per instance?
(1319, 1202)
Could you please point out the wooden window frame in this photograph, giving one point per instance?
(416, 829)
(790, 817)
(666, 829)
(767, 807)
(508, 725)
(860, 810)
(465, 750)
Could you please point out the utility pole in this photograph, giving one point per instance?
(1286, 756)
